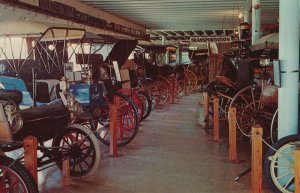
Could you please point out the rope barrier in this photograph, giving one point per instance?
(15, 160)
(250, 134)
(241, 130)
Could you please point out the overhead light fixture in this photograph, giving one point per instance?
(51, 47)
(241, 15)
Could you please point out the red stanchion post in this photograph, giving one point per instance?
(113, 130)
(256, 159)
(30, 156)
(205, 105)
(65, 172)
(172, 97)
(184, 85)
(216, 119)
(232, 134)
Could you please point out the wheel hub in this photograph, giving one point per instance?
(75, 151)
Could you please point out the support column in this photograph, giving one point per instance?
(167, 59)
(289, 62)
(247, 16)
(178, 56)
(163, 40)
(256, 20)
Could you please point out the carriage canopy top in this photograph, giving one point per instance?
(123, 46)
(59, 33)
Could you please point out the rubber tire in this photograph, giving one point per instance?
(164, 86)
(147, 103)
(279, 145)
(21, 172)
(94, 142)
(152, 88)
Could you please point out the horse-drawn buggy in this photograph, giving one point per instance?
(242, 83)
(149, 60)
(257, 104)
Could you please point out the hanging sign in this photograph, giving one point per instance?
(210, 39)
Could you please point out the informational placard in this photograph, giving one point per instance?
(277, 73)
(117, 71)
(210, 39)
(69, 71)
(77, 76)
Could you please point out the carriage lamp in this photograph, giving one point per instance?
(15, 119)
(9, 109)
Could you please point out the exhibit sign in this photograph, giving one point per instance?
(210, 39)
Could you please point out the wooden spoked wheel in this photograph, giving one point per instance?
(255, 113)
(201, 78)
(152, 89)
(247, 101)
(175, 85)
(127, 121)
(192, 80)
(279, 165)
(154, 94)
(180, 85)
(202, 72)
(15, 177)
(133, 95)
(164, 87)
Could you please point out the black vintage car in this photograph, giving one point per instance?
(49, 122)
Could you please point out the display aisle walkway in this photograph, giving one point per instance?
(170, 154)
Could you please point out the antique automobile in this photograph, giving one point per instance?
(31, 106)
(50, 122)
(14, 177)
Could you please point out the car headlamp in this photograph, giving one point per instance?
(15, 119)
(16, 122)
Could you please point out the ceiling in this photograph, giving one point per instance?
(177, 19)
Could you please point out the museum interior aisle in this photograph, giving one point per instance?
(171, 153)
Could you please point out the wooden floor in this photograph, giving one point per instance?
(171, 153)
